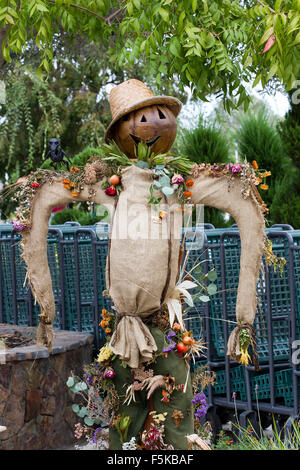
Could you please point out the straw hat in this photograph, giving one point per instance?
(134, 94)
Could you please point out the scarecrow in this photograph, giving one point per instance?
(148, 349)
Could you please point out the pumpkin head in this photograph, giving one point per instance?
(155, 125)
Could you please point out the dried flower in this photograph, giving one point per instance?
(264, 187)
(109, 373)
(189, 183)
(255, 165)
(236, 168)
(17, 225)
(200, 403)
(187, 194)
(74, 169)
(104, 354)
(110, 191)
(177, 417)
(177, 179)
(245, 357)
(163, 214)
(130, 445)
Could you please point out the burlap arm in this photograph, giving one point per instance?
(248, 215)
(34, 244)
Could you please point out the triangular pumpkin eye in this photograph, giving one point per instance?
(143, 119)
(161, 114)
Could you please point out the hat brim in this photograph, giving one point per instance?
(173, 103)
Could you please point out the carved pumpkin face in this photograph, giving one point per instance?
(156, 125)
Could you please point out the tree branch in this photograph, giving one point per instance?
(107, 19)
(266, 6)
(74, 5)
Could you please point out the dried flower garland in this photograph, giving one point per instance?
(23, 192)
(183, 342)
(250, 176)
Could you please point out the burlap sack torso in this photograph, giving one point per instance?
(142, 264)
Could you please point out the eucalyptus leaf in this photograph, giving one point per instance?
(212, 289)
(70, 382)
(80, 386)
(204, 298)
(88, 421)
(157, 185)
(164, 181)
(168, 191)
(212, 275)
(142, 164)
(75, 408)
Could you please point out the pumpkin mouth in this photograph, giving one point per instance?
(149, 143)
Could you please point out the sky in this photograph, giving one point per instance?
(189, 114)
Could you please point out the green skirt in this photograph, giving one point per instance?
(138, 410)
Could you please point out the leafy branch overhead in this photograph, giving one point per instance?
(212, 46)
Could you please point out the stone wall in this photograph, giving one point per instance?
(35, 403)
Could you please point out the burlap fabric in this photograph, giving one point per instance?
(139, 263)
(34, 244)
(142, 264)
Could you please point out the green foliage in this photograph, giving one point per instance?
(76, 215)
(259, 140)
(285, 207)
(289, 130)
(210, 46)
(206, 143)
(30, 110)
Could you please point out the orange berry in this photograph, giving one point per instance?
(182, 348)
(188, 341)
(107, 330)
(114, 180)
